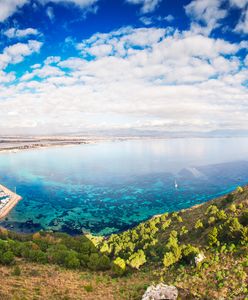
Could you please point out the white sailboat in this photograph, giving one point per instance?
(176, 185)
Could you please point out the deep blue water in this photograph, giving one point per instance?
(110, 186)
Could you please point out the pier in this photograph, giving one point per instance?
(8, 201)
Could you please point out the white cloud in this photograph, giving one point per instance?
(16, 53)
(20, 33)
(50, 13)
(209, 12)
(80, 3)
(52, 60)
(169, 18)
(147, 5)
(242, 25)
(9, 7)
(142, 79)
(239, 3)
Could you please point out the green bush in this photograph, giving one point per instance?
(239, 190)
(221, 215)
(229, 198)
(198, 224)
(119, 266)
(212, 210)
(16, 271)
(7, 258)
(232, 208)
(189, 252)
(211, 220)
(137, 259)
(213, 237)
(88, 288)
(169, 259)
(184, 230)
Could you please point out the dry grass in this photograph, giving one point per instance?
(44, 282)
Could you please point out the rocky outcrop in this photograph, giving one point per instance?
(161, 292)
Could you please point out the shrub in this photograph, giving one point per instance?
(71, 260)
(212, 210)
(137, 259)
(169, 259)
(213, 237)
(229, 198)
(166, 224)
(184, 230)
(198, 224)
(239, 190)
(103, 263)
(221, 215)
(119, 266)
(179, 219)
(7, 258)
(16, 271)
(189, 252)
(244, 218)
(88, 288)
(233, 208)
(211, 220)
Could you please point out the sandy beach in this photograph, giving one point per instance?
(15, 144)
(13, 200)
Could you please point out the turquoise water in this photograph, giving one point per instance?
(111, 186)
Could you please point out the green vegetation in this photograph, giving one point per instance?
(164, 247)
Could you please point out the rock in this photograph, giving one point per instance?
(199, 258)
(161, 292)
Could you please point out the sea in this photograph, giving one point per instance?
(110, 186)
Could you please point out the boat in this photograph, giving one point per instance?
(176, 185)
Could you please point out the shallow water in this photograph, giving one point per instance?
(111, 186)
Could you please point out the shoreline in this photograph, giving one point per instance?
(13, 200)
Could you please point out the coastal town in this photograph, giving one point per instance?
(8, 201)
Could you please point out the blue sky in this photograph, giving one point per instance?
(123, 66)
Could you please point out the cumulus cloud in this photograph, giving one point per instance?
(20, 33)
(9, 7)
(242, 25)
(16, 53)
(143, 79)
(147, 6)
(209, 13)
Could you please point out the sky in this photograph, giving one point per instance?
(90, 66)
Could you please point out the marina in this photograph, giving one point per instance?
(8, 201)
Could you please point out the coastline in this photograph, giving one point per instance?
(13, 200)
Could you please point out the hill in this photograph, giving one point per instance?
(203, 251)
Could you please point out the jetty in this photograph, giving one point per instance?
(8, 201)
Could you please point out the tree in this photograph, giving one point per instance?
(221, 215)
(103, 263)
(184, 230)
(198, 224)
(212, 210)
(137, 259)
(213, 237)
(169, 259)
(189, 252)
(7, 258)
(71, 260)
(119, 266)
(239, 190)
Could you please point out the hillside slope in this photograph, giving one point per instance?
(163, 249)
